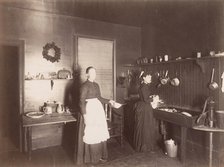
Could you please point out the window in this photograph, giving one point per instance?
(99, 54)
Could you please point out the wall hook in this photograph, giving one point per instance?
(52, 84)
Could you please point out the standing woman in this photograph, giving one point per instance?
(93, 131)
(144, 129)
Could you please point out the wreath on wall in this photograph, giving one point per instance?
(51, 52)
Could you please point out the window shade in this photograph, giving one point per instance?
(99, 54)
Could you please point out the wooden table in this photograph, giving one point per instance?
(181, 120)
(28, 123)
(211, 130)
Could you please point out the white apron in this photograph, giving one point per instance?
(95, 130)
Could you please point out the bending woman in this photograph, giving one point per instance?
(144, 130)
(93, 129)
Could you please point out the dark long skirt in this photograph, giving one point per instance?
(87, 153)
(144, 129)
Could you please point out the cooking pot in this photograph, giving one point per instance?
(175, 82)
(219, 118)
(213, 85)
(51, 104)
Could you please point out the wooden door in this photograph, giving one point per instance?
(9, 97)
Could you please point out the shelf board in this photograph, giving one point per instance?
(45, 79)
(174, 61)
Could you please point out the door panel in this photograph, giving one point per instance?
(9, 97)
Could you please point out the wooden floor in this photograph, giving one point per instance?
(59, 156)
(118, 156)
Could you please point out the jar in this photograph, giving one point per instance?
(198, 54)
(166, 58)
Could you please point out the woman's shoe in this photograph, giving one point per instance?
(90, 165)
(103, 160)
(152, 151)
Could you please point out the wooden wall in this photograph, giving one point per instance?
(194, 76)
(37, 28)
(182, 30)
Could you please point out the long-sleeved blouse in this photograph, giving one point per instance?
(90, 90)
(145, 93)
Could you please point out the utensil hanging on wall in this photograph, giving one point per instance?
(222, 77)
(164, 79)
(213, 85)
(175, 81)
(166, 73)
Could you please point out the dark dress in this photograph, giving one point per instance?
(88, 153)
(144, 129)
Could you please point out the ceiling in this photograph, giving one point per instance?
(127, 12)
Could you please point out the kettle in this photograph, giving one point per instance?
(52, 105)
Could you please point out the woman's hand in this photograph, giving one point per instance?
(156, 101)
(84, 116)
(112, 102)
(154, 96)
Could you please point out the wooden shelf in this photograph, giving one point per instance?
(46, 79)
(198, 61)
(207, 129)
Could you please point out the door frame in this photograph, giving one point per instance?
(20, 44)
(75, 55)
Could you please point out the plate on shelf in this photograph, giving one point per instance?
(35, 114)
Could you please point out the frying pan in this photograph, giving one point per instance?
(164, 79)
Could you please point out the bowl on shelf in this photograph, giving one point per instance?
(35, 114)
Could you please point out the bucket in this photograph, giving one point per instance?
(219, 119)
(171, 148)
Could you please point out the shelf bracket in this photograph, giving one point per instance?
(201, 64)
